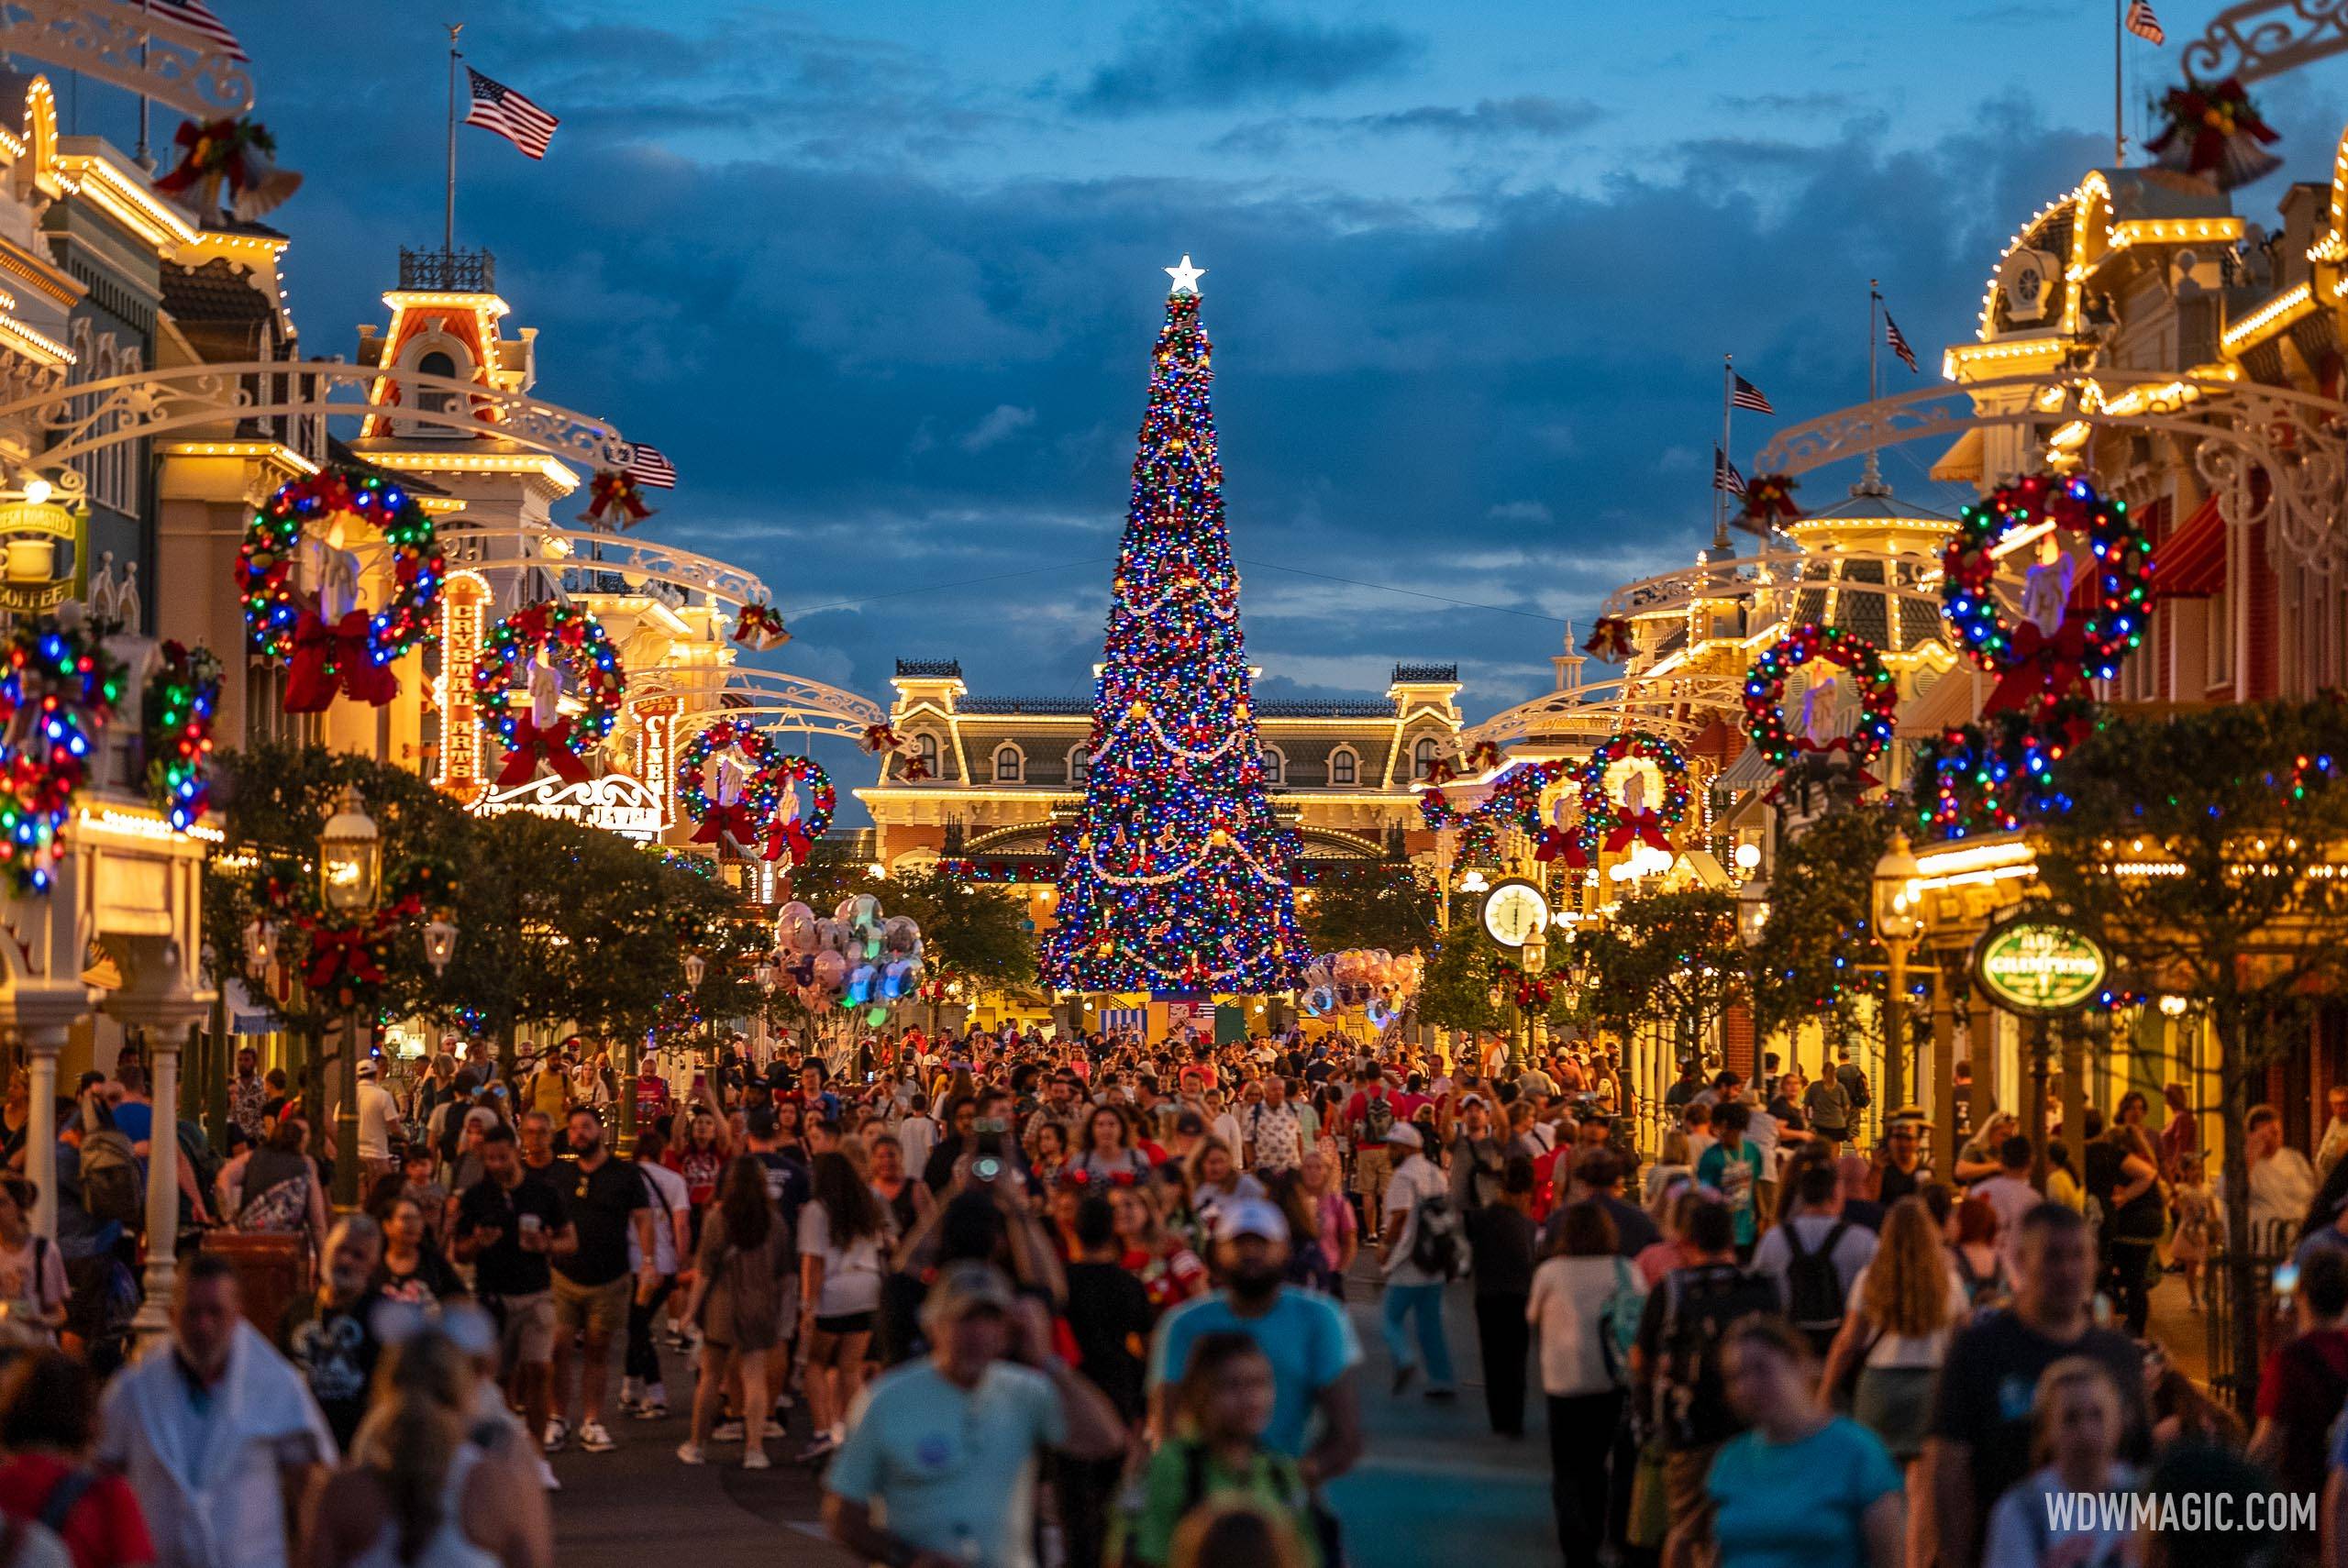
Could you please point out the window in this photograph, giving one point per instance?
(2218, 660)
(1275, 767)
(437, 400)
(925, 747)
(1080, 766)
(1423, 757)
(1344, 767)
(1008, 768)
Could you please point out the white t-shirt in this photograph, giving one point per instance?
(851, 1274)
(1415, 1178)
(1569, 1296)
(1762, 1133)
(1912, 1350)
(670, 1197)
(2010, 1197)
(2020, 1532)
(377, 1111)
(918, 1134)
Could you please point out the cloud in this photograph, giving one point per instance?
(1002, 423)
(1211, 56)
(1521, 512)
(1788, 105)
(1532, 115)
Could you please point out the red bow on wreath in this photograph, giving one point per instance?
(1646, 827)
(1484, 756)
(611, 489)
(337, 657)
(791, 836)
(341, 950)
(2044, 668)
(2215, 132)
(735, 822)
(1769, 502)
(879, 738)
(1816, 765)
(530, 743)
(234, 152)
(1555, 844)
(1611, 640)
(759, 626)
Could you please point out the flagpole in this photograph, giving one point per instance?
(1728, 399)
(1875, 297)
(2118, 112)
(449, 222)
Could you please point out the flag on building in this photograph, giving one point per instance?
(1747, 395)
(2144, 24)
(646, 465)
(1724, 474)
(198, 18)
(497, 107)
(1898, 342)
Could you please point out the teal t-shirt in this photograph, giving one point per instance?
(1308, 1339)
(950, 1469)
(1734, 1175)
(1799, 1504)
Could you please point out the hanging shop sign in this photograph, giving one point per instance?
(44, 556)
(617, 803)
(2039, 966)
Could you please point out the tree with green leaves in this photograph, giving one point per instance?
(1455, 990)
(1671, 957)
(2201, 849)
(1377, 904)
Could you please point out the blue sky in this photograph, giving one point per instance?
(882, 278)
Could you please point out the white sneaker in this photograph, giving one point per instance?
(630, 1394)
(595, 1438)
(558, 1434)
(691, 1454)
(727, 1431)
(546, 1477)
(756, 1459)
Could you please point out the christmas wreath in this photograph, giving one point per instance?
(58, 687)
(2216, 132)
(577, 646)
(2036, 668)
(1765, 690)
(796, 834)
(177, 732)
(755, 813)
(1514, 802)
(347, 959)
(1529, 991)
(283, 624)
(1983, 776)
(1615, 825)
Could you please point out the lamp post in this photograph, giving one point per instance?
(1899, 922)
(351, 879)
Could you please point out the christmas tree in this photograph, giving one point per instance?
(1175, 876)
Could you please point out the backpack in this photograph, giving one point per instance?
(1436, 1243)
(1691, 1396)
(1618, 1322)
(1853, 1080)
(1377, 1117)
(111, 1186)
(1813, 1288)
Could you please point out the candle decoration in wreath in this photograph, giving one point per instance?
(2056, 646)
(1617, 817)
(330, 644)
(1764, 691)
(727, 783)
(527, 663)
(791, 830)
(176, 734)
(59, 687)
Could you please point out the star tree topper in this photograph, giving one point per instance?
(1186, 277)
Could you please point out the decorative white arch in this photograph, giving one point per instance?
(786, 704)
(131, 47)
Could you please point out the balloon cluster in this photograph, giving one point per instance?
(1371, 978)
(859, 957)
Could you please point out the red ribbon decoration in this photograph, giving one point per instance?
(2214, 121)
(2044, 668)
(530, 743)
(328, 660)
(1769, 502)
(1611, 640)
(736, 821)
(611, 489)
(1558, 845)
(878, 738)
(791, 836)
(914, 769)
(339, 950)
(1440, 772)
(1484, 756)
(1644, 827)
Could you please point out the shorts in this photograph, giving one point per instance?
(1686, 1496)
(524, 1328)
(1372, 1167)
(601, 1311)
(845, 1324)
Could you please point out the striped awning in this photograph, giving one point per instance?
(2191, 562)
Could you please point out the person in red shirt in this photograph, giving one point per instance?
(48, 1428)
(1372, 1164)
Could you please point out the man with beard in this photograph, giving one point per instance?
(1307, 1337)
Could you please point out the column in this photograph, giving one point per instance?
(161, 1274)
(1981, 1042)
(41, 1045)
(1944, 1139)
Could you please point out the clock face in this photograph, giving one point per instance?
(1515, 913)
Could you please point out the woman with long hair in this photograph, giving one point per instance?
(2077, 1419)
(1168, 1270)
(1107, 1152)
(1047, 1153)
(1973, 1248)
(843, 1245)
(1215, 1179)
(419, 1491)
(411, 1269)
(1571, 1295)
(737, 1298)
(905, 1200)
(1322, 1185)
(282, 1192)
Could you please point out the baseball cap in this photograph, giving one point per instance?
(1249, 1216)
(367, 1067)
(966, 1287)
(1405, 1134)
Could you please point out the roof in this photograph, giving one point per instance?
(2156, 193)
(339, 454)
(931, 668)
(219, 310)
(1414, 674)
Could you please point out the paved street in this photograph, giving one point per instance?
(1435, 1490)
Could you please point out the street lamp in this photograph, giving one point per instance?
(439, 942)
(261, 946)
(350, 878)
(1899, 922)
(1752, 911)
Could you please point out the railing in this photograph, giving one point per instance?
(455, 272)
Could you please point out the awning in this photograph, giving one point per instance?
(1947, 702)
(246, 1016)
(2191, 562)
(1962, 462)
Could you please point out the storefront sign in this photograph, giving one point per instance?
(617, 803)
(2039, 966)
(32, 537)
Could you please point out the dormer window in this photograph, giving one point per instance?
(1080, 765)
(1423, 757)
(1344, 767)
(1010, 766)
(925, 747)
(438, 400)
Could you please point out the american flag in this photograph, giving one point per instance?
(497, 107)
(1747, 395)
(196, 17)
(1724, 474)
(2144, 24)
(1898, 342)
(646, 465)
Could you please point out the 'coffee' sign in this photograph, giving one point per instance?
(2038, 966)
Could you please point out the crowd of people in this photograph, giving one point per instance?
(1089, 1303)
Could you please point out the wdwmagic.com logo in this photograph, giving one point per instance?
(2129, 1513)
